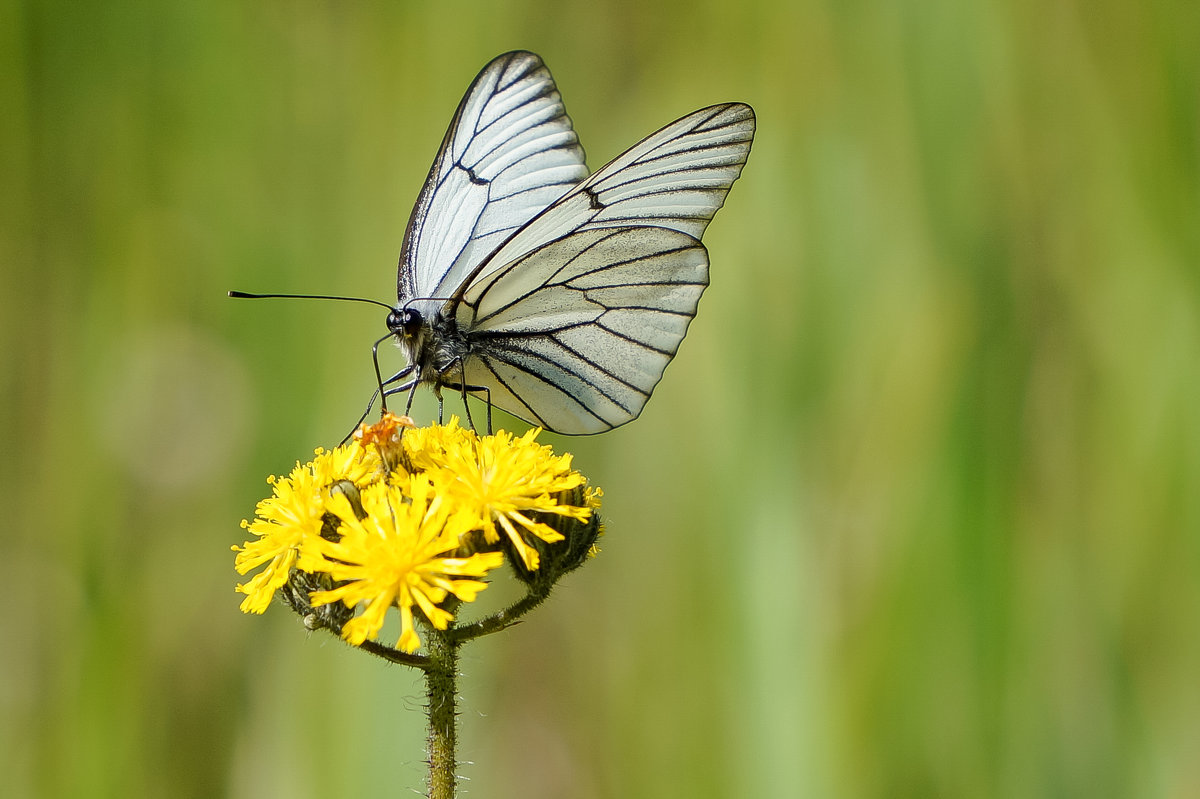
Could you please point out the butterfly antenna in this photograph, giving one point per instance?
(245, 295)
(379, 381)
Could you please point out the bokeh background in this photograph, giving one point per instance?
(915, 511)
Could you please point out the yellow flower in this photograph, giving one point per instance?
(501, 480)
(290, 520)
(354, 462)
(409, 518)
(431, 447)
(400, 554)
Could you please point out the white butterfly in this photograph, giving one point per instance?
(557, 296)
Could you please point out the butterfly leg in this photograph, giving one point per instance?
(464, 389)
(466, 407)
(379, 381)
(411, 388)
(487, 392)
(403, 373)
(456, 364)
(378, 393)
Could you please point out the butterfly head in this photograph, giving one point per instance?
(405, 322)
(427, 335)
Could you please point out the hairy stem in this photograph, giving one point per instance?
(395, 655)
(504, 618)
(441, 681)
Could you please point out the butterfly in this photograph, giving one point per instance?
(553, 294)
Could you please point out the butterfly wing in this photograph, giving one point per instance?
(675, 178)
(574, 318)
(509, 153)
(575, 335)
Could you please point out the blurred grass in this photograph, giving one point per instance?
(913, 514)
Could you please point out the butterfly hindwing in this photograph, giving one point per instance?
(576, 335)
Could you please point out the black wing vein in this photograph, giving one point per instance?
(511, 133)
(594, 316)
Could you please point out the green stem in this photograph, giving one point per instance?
(441, 681)
(394, 655)
(503, 619)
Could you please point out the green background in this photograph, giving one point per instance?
(915, 511)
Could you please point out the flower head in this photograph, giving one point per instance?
(504, 481)
(290, 520)
(400, 554)
(413, 519)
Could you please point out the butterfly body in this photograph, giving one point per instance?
(557, 296)
(432, 341)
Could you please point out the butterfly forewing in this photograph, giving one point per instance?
(576, 335)
(509, 153)
(675, 178)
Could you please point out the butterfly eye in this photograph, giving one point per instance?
(405, 321)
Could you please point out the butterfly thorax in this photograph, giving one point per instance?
(432, 340)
